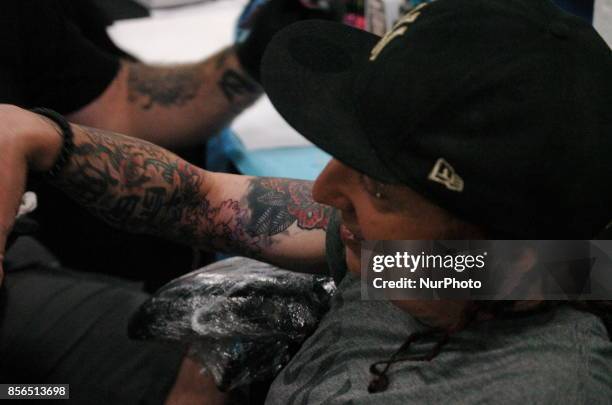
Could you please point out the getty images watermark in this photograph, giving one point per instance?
(487, 270)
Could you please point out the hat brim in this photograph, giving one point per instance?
(309, 71)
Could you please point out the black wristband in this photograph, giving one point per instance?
(67, 140)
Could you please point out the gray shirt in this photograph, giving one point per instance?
(561, 356)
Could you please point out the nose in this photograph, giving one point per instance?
(332, 185)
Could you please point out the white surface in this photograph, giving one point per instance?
(602, 19)
(29, 202)
(184, 34)
(165, 3)
(262, 127)
(190, 34)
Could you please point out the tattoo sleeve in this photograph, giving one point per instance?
(178, 105)
(176, 86)
(139, 187)
(276, 204)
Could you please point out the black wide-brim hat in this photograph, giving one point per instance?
(498, 111)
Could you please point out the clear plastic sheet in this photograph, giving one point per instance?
(241, 318)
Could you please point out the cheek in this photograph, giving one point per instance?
(377, 226)
(397, 226)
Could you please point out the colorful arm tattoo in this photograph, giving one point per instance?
(139, 187)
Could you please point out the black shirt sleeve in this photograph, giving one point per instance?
(56, 65)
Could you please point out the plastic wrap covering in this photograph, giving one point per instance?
(241, 318)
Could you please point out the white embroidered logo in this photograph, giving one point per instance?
(444, 173)
(399, 28)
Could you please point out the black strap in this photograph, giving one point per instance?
(68, 140)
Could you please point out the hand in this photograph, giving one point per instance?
(261, 19)
(21, 148)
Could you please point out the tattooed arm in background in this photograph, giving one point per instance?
(172, 106)
(137, 186)
(180, 105)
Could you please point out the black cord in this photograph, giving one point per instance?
(380, 381)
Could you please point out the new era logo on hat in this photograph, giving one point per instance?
(444, 173)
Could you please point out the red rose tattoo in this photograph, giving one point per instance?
(309, 214)
(276, 204)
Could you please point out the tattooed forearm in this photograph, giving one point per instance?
(149, 86)
(276, 204)
(132, 184)
(139, 187)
